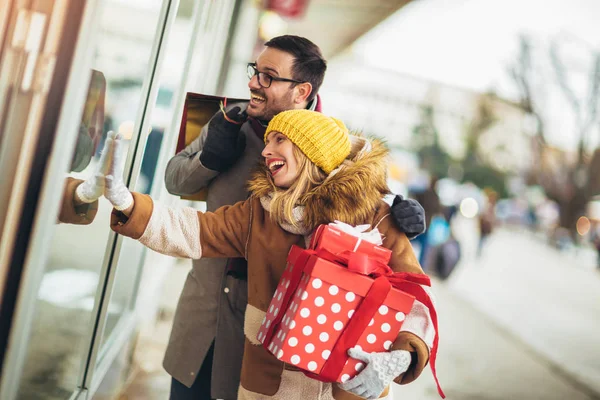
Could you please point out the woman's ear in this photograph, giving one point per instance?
(303, 90)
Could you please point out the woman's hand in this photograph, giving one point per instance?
(381, 369)
(115, 190)
(93, 187)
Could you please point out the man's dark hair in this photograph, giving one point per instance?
(309, 64)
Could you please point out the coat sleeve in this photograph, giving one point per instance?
(185, 174)
(72, 214)
(186, 232)
(417, 332)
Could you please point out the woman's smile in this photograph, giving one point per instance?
(280, 159)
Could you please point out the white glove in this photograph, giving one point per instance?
(381, 369)
(115, 191)
(93, 187)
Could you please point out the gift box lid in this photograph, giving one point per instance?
(336, 241)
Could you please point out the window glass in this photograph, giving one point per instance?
(64, 320)
(162, 115)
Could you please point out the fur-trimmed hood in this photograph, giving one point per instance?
(352, 193)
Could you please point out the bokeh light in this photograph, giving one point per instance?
(469, 207)
(583, 225)
(126, 129)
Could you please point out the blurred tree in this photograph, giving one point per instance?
(474, 166)
(566, 181)
(529, 82)
(426, 143)
(477, 168)
(594, 174)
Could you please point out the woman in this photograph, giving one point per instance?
(314, 173)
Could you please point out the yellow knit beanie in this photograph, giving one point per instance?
(324, 140)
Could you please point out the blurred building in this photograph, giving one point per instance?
(388, 104)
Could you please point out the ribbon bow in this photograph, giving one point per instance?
(359, 231)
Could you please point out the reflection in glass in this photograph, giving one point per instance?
(63, 321)
(92, 123)
(169, 81)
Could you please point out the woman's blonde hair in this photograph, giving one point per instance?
(309, 176)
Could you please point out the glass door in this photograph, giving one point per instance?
(37, 42)
(61, 309)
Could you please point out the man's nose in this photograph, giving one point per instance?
(253, 83)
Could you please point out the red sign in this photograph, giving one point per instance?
(287, 8)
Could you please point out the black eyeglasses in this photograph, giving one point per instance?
(264, 79)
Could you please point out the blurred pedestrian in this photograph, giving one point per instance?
(595, 238)
(430, 201)
(487, 218)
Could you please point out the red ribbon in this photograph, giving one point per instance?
(411, 284)
(385, 278)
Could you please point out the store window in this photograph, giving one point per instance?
(64, 312)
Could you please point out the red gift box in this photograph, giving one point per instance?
(320, 308)
(337, 295)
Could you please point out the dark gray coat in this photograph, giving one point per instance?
(212, 305)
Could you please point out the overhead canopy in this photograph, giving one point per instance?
(336, 24)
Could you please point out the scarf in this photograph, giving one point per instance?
(298, 215)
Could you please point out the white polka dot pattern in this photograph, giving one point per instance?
(316, 316)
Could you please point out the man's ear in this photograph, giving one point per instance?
(303, 90)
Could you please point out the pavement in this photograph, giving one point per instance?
(519, 322)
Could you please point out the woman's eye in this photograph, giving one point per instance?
(280, 139)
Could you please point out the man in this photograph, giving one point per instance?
(207, 330)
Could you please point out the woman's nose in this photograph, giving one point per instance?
(266, 151)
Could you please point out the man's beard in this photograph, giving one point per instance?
(272, 108)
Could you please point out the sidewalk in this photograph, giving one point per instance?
(548, 299)
(480, 361)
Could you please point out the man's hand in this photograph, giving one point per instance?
(224, 144)
(381, 369)
(115, 191)
(93, 187)
(409, 216)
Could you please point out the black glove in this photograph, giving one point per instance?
(409, 216)
(224, 144)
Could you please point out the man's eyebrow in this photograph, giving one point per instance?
(271, 70)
